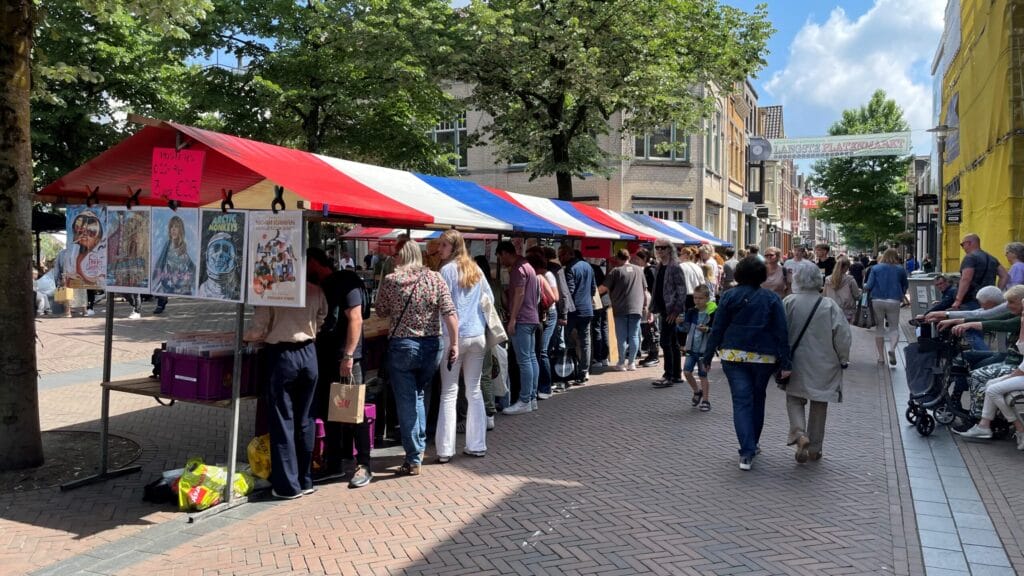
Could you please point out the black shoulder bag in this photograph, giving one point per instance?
(782, 382)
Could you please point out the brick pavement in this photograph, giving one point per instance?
(613, 478)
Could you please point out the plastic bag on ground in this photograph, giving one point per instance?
(259, 456)
(202, 486)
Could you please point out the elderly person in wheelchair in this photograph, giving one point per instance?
(993, 306)
(997, 394)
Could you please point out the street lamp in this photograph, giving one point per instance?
(941, 131)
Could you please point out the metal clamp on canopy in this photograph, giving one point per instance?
(93, 197)
(133, 198)
(278, 199)
(225, 200)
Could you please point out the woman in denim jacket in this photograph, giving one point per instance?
(751, 336)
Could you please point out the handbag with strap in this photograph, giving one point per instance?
(495, 333)
(406, 307)
(779, 380)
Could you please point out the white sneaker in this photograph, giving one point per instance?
(533, 404)
(1020, 440)
(490, 423)
(134, 316)
(90, 312)
(543, 395)
(630, 366)
(518, 408)
(619, 367)
(976, 432)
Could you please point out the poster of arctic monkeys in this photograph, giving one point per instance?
(222, 255)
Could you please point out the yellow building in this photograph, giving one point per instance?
(978, 69)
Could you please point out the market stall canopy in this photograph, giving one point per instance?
(665, 229)
(357, 191)
(707, 236)
(374, 233)
(492, 201)
(564, 214)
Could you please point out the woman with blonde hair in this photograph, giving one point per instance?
(416, 300)
(842, 288)
(467, 285)
(887, 284)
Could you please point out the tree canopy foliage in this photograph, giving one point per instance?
(865, 195)
(552, 74)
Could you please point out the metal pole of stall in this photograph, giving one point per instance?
(236, 392)
(108, 345)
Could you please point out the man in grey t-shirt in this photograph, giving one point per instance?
(977, 270)
(627, 288)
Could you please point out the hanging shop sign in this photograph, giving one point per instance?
(850, 146)
(813, 202)
(954, 211)
(927, 200)
(177, 174)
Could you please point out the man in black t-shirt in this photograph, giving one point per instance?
(339, 346)
(978, 269)
(825, 262)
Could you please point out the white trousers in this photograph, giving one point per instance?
(995, 397)
(887, 312)
(470, 364)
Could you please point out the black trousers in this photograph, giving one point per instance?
(293, 379)
(341, 437)
(670, 347)
(651, 343)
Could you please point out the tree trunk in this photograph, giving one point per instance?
(20, 440)
(560, 156)
(564, 180)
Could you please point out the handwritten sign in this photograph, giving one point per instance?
(177, 175)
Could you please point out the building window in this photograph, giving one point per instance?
(453, 136)
(661, 144)
(734, 227)
(710, 222)
(681, 215)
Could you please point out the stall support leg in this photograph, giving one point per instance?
(104, 473)
(236, 392)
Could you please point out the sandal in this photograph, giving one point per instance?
(705, 406)
(697, 396)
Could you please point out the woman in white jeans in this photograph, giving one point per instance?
(467, 284)
(995, 399)
(887, 284)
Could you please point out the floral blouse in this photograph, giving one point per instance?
(429, 301)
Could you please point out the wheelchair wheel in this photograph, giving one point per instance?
(925, 425)
(911, 414)
(943, 415)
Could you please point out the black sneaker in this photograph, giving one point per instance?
(362, 476)
(746, 463)
(650, 363)
(158, 310)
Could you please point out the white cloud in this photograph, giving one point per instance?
(838, 64)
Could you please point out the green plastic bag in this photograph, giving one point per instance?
(202, 486)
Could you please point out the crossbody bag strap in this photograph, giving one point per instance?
(806, 325)
(407, 301)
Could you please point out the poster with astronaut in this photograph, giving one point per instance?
(277, 275)
(175, 252)
(222, 255)
(128, 257)
(83, 263)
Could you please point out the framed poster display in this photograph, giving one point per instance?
(128, 254)
(175, 252)
(277, 273)
(222, 245)
(83, 263)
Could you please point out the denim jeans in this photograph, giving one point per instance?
(524, 344)
(412, 363)
(543, 345)
(748, 383)
(627, 336)
(599, 335)
(581, 326)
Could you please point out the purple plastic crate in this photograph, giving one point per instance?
(203, 378)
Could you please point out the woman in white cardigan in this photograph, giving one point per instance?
(819, 358)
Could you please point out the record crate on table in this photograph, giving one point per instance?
(200, 366)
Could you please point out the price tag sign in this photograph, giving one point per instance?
(177, 174)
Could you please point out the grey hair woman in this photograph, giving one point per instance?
(1015, 255)
(819, 337)
(669, 301)
(415, 299)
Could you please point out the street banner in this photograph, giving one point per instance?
(83, 264)
(128, 256)
(277, 275)
(850, 146)
(175, 246)
(222, 255)
(813, 202)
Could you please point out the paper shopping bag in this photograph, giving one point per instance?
(347, 402)
(64, 294)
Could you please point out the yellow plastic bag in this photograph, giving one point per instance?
(202, 486)
(259, 456)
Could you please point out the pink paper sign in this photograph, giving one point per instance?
(177, 175)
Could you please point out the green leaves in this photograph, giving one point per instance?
(552, 74)
(865, 195)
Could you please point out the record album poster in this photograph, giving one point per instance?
(277, 275)
(128, 256)
(83, 263)
(221, 255)
(175, 252)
